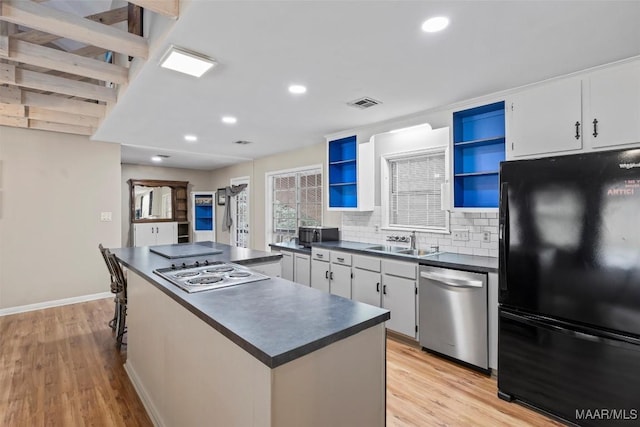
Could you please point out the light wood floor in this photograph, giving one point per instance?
(60, 367)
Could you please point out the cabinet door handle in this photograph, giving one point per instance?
(319, 256)
(378, 287)
(326, 274)
(331, 276)
(577, 130)
(151, 230)
(384, 289)
(157, 230)
(595, 128)
(341, 259)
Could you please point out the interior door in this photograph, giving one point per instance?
(240, 215)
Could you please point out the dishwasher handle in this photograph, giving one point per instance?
(450, 281)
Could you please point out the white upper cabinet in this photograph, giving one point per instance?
(612, 116)
(545, 120)
(597, 110)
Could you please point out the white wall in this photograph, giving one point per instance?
(53, 187)
(198, 181)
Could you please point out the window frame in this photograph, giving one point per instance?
(269, 195)
(385, 182)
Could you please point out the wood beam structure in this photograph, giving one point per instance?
(45, 86)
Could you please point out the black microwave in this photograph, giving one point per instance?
(309, 235)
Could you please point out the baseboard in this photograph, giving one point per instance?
(144, 396)
(55, 303)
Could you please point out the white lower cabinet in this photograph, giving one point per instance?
(340, 276)
(366, 284)
(320, 274)
(287, 265)
(155, 233)
(302, 269)
(331, 272)
(399, 289)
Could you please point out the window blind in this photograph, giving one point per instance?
(415, 190)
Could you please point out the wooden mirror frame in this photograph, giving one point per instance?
(176, 187)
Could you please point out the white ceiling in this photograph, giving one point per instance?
(343, 50)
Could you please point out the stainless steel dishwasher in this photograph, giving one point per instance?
(453, 314)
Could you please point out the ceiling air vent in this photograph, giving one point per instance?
(365, 102)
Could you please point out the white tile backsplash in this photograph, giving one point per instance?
(365, 227)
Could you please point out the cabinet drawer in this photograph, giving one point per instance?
(366, 263)
(399, 269)
(341, 258)
(320, 254)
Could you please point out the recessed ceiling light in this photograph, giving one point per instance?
(190, 138)
(156, 159)
(229, 120)
(187, 62)
(433, 25)
(297, 89)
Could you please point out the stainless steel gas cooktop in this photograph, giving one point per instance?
(204, 275)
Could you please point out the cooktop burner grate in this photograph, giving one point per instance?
(205, 280)
(238, 274)
(221, 269)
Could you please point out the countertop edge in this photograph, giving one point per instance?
(430, 261)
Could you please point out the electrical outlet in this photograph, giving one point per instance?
(105, 216)
(486, 237)
(461, 235)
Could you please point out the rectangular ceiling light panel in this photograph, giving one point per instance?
(187, 62)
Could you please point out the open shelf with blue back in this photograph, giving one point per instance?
(343, 173)
(478, 149)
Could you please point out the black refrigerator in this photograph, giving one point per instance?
(569, 286)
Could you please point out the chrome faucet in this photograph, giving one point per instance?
(412, 240)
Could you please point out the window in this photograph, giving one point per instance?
(296, 200)
(413, 186)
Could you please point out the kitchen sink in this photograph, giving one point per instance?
(418, 252)
(386, 248)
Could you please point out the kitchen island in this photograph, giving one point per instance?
(266, 353)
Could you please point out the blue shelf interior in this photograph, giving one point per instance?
(343, 196)
(343, 173)
(478, 157)
(203, 218)
(479, 147)
(478, 191)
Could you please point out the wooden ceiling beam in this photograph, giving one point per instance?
(109, 17)
(168, 8)
(73, 27)
(12, 110)
(16, 76)
(52, 59)
(16, 122)
(4, 38)
(90, 51)
(43, 114)
(60, 127)
(58, 103)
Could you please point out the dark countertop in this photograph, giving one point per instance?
(478, 264)
(291, 247)
(274, 320)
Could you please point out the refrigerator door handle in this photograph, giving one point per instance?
(503, 234)
(602, 337)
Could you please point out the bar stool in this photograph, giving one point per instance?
(105, 255)
(119, 287)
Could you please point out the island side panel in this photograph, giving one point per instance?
(191, 374)
(341, 385)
